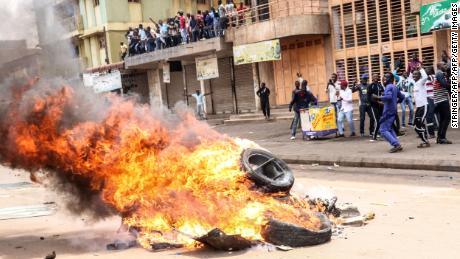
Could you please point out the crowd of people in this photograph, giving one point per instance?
(183, 29)
(422, 89)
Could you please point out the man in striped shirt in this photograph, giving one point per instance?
(441, 102)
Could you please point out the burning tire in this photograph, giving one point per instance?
(281, 233)
(267, 171)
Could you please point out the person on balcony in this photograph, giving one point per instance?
(241, 13)
(123, 50)
(223, 19)
(183, 27)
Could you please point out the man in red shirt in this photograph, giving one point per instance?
(183, 29)
(241, 12)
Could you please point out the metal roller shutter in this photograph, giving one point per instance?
(175, 90)
(222, 88)
(245, 88)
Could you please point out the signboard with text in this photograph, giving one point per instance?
(103, 82)
(318, 121)
(207, 67)
(257, 52)
(436, 16)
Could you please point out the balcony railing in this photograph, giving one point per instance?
(277, 9)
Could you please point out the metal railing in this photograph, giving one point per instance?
(274, 9)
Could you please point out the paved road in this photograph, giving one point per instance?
(416, 217)
(356, 151)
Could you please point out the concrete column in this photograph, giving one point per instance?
(203, 91)
(154, 82)
(255, 76)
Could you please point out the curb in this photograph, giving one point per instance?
(350, 161)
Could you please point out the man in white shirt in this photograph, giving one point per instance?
(199, 97)
(346, 110)
(421, 104)
(332, 89)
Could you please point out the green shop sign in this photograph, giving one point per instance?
(436, 16)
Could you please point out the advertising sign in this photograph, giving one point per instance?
(257, 52)
(318, 121)
(103, 82)
(207, 67)
(436, 16)
(166, 74)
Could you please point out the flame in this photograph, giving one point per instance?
(162, 182)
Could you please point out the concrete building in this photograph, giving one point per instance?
(317, 38)
(103, 24)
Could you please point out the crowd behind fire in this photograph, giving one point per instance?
(419, 88)
(183, 29)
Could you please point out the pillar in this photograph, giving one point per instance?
(154, 82)
(256, 79)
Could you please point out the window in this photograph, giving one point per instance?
(340, 68)
(375, 64)
(363, 63)
(348, 25)
(372, 22)
(351, 68)
(411, 21)
(384, 28)
(360, 21)
(386, 62)
(396, 20)
(96, 2)
(201, 1)
(337, 27)
(428, 56)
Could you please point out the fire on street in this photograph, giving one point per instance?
(415, 218)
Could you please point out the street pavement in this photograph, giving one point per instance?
(350, 151)
(416, 217)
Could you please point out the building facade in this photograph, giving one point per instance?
(317, 37)
(103, 24)
(366, 34)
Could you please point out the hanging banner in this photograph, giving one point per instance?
(166, 74)
(207, 67)
(103, 82)
(257, 52)
(318, 121)
(436, 16)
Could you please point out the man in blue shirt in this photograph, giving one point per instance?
(390, 101)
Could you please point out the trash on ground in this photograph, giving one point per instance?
(51, 256)
(284, 248)
(121, 245)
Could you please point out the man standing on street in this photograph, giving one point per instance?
(346, 110)
(199, 97)
(300, 100)
(375, 89)
(406, 86)
(421, 102)
(332, 89)
(441, 90)
(364, 105)
(264, 95)
(390, 100)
